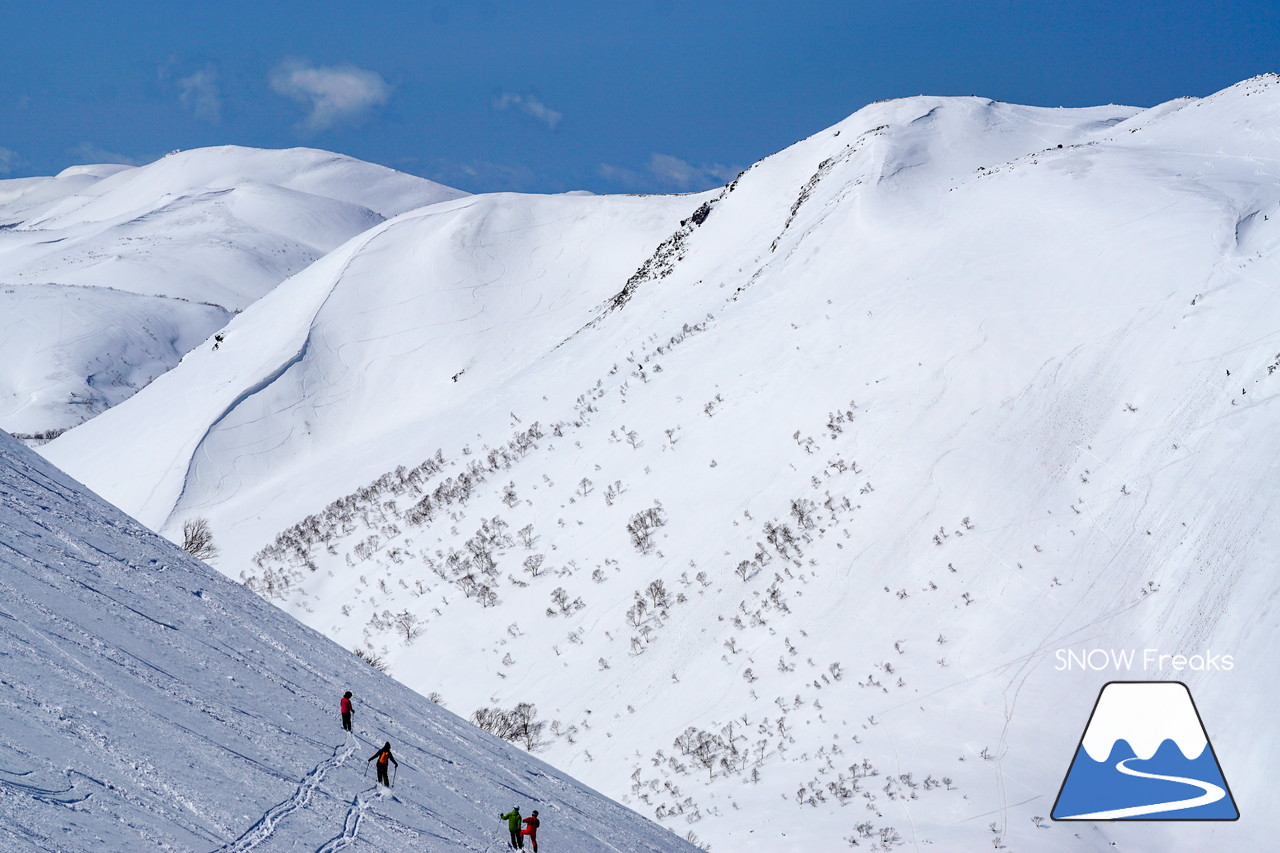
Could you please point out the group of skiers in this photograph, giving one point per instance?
(517, 832)
(383, 755)
(519, 827)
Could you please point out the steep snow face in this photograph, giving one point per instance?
(150, 704)
(109, 275)
(783, 514)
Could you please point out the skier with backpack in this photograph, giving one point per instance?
(531, 829)
(347, 711)
(383, 755)
(513, 824)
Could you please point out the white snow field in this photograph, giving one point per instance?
(110, 274)
(151, 704)
(784, 503)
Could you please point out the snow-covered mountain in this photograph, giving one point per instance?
(151, 704)
(781, 501)
(110, 274)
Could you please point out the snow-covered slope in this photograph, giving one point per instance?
(781, 501)
(426, 314)
(151, 704)
(109, 274)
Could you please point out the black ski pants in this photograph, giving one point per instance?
(382, 775)
(346, 721)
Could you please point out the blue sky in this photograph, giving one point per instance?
(647, 95)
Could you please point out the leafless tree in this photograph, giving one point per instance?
(197, 539)
(372, 659)
(408, 624)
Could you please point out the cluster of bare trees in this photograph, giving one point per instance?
(518, 725)
(644, 524)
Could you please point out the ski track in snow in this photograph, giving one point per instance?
(301, 798)
(350, 825)
(153, 705)
(52, 796)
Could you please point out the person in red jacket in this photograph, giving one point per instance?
(345, 706)
(531, 829)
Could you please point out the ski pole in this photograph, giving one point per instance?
(366, 770)
(393, 775)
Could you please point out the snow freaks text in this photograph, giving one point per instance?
(1147, 660)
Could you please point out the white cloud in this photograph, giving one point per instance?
(199, 93)
(530, 106)
(684, 175)
(484, 176)
(668, 171)
(9, 160)
(87, 153)
(335, 95)
(674, 171)
(619, 175)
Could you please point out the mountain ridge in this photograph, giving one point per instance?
(213, 227)
(919, 400)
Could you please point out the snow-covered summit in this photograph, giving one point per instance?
(110, 274)
(126, 190)
(150, 704)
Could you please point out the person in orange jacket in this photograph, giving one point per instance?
(531, 829)
(383, 755)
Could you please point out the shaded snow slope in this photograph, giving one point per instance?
(426, 314)
(108, 275)
(784, 511)
(150, 704)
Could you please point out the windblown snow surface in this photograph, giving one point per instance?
(783, 503)
(110, 274)
(151, 704)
